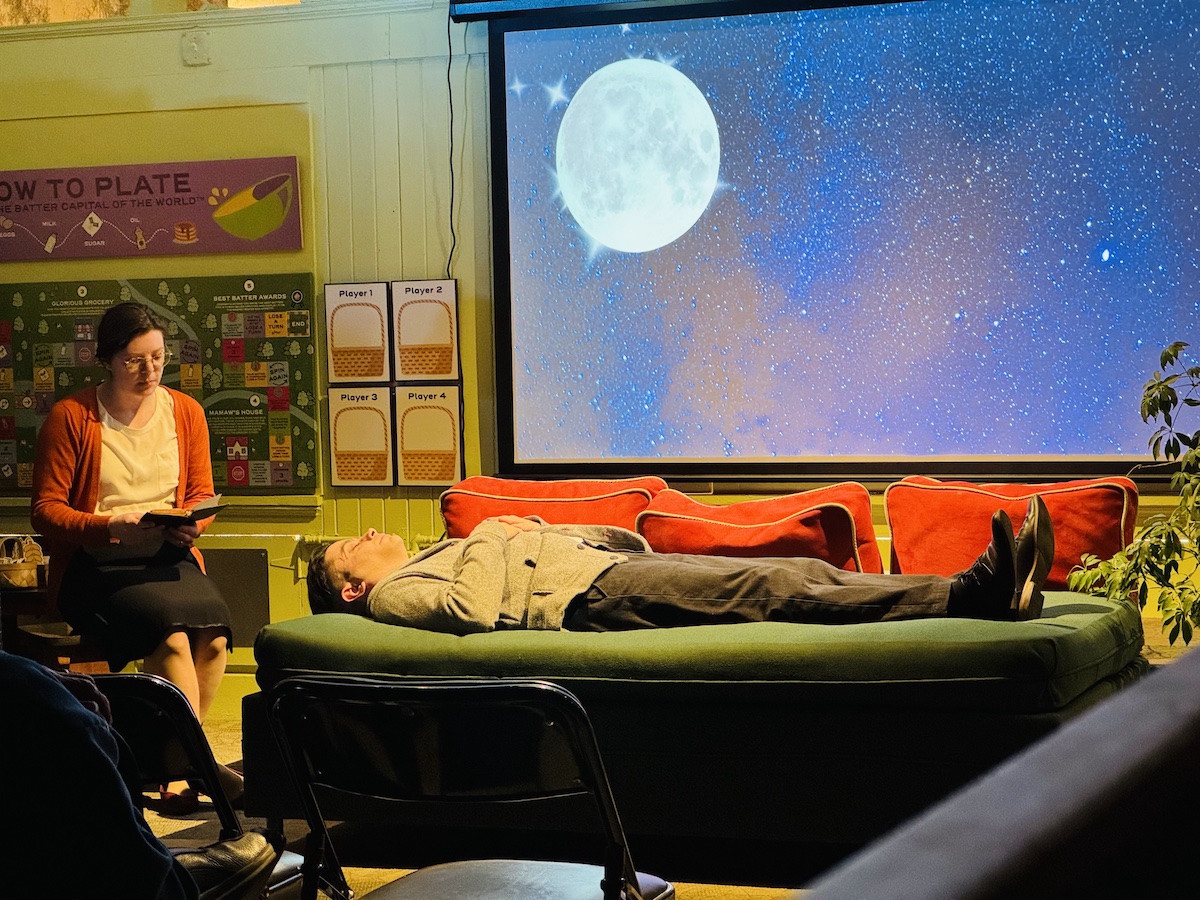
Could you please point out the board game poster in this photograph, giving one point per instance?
(244, 346)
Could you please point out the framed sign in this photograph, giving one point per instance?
(425, 328)
(360, 436)
(428, 434)
(356, 318)
(151, 209)
(243, 346)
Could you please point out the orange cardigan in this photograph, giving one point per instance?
(66, 475)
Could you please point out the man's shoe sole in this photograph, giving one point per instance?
(1028, 601)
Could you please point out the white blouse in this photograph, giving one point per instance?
(139, 467)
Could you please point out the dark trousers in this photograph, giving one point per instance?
(669, 590)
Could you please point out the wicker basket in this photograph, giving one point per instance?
(437, 465)
(19, 560)
(361, 465)
(351, 356)
(425, 358)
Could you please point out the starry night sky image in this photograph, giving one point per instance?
(935, 229)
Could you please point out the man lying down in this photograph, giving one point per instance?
(513, 572)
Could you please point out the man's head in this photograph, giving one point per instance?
(342, 573)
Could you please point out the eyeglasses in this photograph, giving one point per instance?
(153, 361)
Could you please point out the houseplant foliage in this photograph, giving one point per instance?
(1163, 557)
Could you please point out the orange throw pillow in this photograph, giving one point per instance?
(564, 502)
(833, 524)
(940, 527)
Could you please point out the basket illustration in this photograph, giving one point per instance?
(438, 464)
(357, 341)
(425, 342)
(360, 444)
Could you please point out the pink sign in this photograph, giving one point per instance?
(156, 209)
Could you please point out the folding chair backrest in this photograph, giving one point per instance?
(452, 741)
(156, 720)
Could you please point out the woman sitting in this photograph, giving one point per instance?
(105, 456)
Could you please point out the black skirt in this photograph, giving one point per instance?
(132, 605)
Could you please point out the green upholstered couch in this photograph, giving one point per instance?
(766, 734)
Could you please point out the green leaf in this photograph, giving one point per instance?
(1171, 354)
(1174, 635)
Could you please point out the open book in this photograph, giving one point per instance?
(198, 513)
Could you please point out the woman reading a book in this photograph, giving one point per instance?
(106, 457)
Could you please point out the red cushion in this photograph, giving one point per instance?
(940, 527)
(823, 523)
(565, 502)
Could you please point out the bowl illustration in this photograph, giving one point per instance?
(257, 210)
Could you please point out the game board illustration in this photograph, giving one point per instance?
(244, 346)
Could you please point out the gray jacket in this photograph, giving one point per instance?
(486, 581)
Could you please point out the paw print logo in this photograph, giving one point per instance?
(217, 196)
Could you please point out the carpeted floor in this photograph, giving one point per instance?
(223, 729)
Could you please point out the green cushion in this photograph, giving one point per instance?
(1034, 666)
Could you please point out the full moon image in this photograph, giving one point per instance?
(637, 155)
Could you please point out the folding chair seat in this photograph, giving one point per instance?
(382, 741)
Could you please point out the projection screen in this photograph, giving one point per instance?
(911, 237)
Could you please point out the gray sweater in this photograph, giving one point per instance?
(486, 581)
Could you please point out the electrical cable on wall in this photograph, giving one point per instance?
(453, 233)
(450, 101)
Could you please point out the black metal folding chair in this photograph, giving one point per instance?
(383, 740)
(168, 744)
(156, 721)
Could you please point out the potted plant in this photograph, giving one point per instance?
(1163, 557)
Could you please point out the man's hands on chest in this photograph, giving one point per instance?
(514, 525)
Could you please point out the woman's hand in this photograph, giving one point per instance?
(127, 528)
(183, 535)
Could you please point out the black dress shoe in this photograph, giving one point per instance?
(986, 589)
(233, 869)
(1035, 556)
